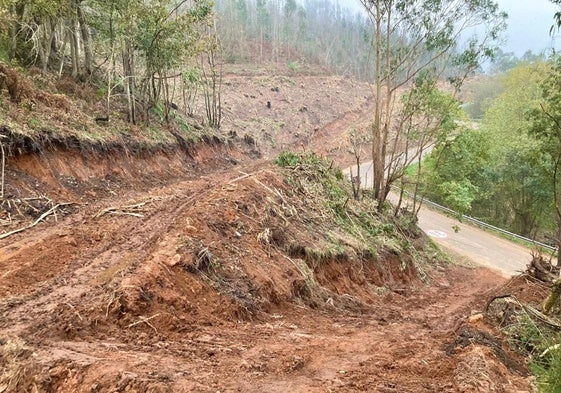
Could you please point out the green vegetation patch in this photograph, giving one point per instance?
(542, 346)
(358, 230)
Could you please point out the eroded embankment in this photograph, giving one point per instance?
(238, 279)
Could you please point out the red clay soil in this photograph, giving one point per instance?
(169, 284)
(175, 272)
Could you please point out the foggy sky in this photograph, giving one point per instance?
(528, 24)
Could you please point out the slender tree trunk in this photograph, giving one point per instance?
(165, 90)
(15, 31)
(377, 159)
(356, 183)
(400, 200)
(14, 35)
(73, 50)
(45, 47)
(111, 70)
(261, 45)
(85, 33)
(417, 184)
(387, 105)
(61, 66)
(557, 199)
(128, 68)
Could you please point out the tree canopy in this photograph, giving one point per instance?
(421, 37)
(134, 44)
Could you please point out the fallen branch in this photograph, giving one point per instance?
(530, 310)
(496, 298)
(243, 176)
(130, 210)
(123, 213)
(145, 320)
(52, 210)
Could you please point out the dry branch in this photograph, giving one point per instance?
(542, 269)
(129, 210)
(243, 176)
(52, 210)
(530, 311)
(145, 320)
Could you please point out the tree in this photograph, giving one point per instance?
(139, 43)
(556, 17)
(358, 140)
(498, 171)
(454, 172)
(145, 44)
(263, 21)
(546, 127)
(411, 36)
(504, 61)
(427, 115)
(519, 192)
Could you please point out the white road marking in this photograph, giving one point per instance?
(436, 233)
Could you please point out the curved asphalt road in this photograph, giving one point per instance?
(482, 247)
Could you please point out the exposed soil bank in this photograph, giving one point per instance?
(173, 281)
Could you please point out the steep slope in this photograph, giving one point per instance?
(192, 268)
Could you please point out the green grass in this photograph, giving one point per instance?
(548, 371)
(34, 123)
(540, 345)
(357, 223)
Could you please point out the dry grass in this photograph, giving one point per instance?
(13, 353)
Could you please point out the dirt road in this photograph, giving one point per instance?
(110, 303)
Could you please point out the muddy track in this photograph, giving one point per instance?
(394, 346)
(114, 242)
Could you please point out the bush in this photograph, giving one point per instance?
(287, 159)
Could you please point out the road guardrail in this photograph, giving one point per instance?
(480, 223)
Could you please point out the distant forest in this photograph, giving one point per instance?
(313, 32)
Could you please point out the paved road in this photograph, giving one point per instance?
(471, 242)
(476, 244)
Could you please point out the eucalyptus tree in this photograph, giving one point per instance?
(427, 115)
(518, 193)
(499, 172)
(145, 42)
(138, 44)
(314, 31)
(546, 127)
(438, 37)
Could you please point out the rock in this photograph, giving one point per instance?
(475, 318)
(174, 260)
